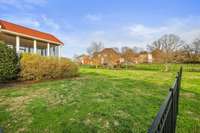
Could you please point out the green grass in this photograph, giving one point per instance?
(112, 101)
(171, 67)
(156, 67)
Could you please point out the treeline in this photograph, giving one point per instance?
(169, 48)
(172, 49)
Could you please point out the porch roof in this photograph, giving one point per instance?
(8, 26)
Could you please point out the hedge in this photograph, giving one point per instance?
(36, 67)
(8, 63)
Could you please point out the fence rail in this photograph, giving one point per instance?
(165, 121)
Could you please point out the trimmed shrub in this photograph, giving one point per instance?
(8, 63)
(36, 67)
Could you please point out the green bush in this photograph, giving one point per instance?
(8, 63)
(36, 67)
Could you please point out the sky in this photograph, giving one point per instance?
(116, 23)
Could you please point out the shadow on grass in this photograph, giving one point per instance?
(98, 103)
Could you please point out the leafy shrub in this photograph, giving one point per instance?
(8, 63)
(36, 67)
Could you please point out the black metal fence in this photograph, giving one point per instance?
(165, 121)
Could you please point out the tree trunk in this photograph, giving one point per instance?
(166, 67)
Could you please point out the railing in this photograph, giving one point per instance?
(165, 121)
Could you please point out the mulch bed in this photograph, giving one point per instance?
(12, 84)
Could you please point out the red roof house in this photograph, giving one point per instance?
(24, 38)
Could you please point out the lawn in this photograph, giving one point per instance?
(112, 101)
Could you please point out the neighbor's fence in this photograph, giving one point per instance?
(165, 121)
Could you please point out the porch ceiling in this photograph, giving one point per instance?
(26, 42)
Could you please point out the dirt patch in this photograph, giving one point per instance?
(188, 95)
(12, 84)
(19, 103)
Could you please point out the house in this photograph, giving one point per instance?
(108, 57)
(83, 59)
(130, 57)
(28, 40)
(144, 58)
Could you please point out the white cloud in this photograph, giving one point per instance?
(141, 30)
(116, 36)
(50, 23)
(42, 22)
(17, 2)
(23, 19)
(22, 4)
(93, 17)
(187, 28)
(143, 34)
(35, 2)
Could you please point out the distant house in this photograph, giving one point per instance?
(144, 58)
(130, 57)
(28, 40)
(108, 57)
(84, 59)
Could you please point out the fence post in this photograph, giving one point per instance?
(179, 86)
(172, 112)
(180, 76)
(178, 92)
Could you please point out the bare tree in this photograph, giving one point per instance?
(128, 54)
(135, 49)
(95, 47)
(168, 44)
(192, 51)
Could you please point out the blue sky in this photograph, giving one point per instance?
(116, 23)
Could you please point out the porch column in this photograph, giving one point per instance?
(48, 49)
(59, 51)
(35, 47)
(17, 44)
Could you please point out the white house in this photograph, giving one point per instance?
(28, 40)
